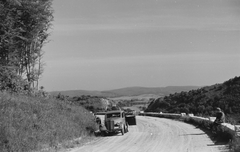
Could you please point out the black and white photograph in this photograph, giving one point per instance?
(119, 75)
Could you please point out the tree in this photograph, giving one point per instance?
(24, 31)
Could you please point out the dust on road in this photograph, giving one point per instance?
(155, 135)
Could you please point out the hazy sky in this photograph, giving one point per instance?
(110, 44)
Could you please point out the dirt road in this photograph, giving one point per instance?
(155, 135)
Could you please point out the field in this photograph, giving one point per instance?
(143, 97)
(137, 103)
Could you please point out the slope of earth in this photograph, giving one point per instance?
(155, 135)
(203, 101)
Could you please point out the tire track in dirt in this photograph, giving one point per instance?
(155, 135)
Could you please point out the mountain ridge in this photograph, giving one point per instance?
(127, 91)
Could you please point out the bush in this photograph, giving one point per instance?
(30, 123)
(235, 145)
(11, 82)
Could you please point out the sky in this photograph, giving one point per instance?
(111, 44)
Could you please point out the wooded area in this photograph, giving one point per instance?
(24, 29)
(203, 101)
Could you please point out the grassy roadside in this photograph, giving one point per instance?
(31, 123)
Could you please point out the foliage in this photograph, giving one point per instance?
(11, 82)
(91, 103)
(30, 123)
(141, 103)
(203, 101)
(23, 32)
(235, 145)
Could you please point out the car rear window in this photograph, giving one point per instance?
(113, 115)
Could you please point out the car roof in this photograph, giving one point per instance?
(114, 111)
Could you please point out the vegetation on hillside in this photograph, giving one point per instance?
(24, 29)
(92, 103)
(29, 119)
(99, 104)
(203, 101)
(134, 102)
(129, 91)
(31, 123)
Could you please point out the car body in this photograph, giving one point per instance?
(131, 117)
(114, 121)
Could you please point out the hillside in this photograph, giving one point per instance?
(202, 101)
(129, 91)
(92, 103)
(30, 123)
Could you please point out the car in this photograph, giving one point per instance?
(114, 122)
(131, 117)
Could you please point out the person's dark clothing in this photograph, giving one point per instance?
(98, 120)
(220, 117)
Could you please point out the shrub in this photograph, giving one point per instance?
(11, 82)
(235, 145)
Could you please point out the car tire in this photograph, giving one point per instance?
(103, 133)
(123, 130)
(126, 129)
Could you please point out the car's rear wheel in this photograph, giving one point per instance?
(103, 133)
(126, 129)
(123, 130)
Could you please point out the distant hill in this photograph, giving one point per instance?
(129, 91)
(139, 97)
(74, 93)
(162, 91)
(203, 101)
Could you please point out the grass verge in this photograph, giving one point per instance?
(33, 124)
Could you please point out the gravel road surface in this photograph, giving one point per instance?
(155, 135)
